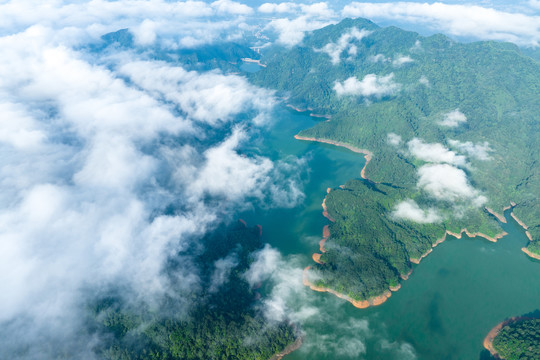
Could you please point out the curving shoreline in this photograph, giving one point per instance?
(367, 154)
(250, 60)
(361, 304)
(289, 349)
(458, 236)
(530, 253)
(488, 340)
(311, 113)
(499, 217)
(383, 297)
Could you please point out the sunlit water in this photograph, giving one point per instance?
(445, 309)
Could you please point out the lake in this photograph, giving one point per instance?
(446, 308)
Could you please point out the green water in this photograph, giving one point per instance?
(452, 299)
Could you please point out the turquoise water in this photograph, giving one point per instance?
(452, 299)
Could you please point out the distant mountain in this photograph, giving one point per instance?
(225, 56)
(454, 132)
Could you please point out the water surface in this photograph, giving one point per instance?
(450, 302)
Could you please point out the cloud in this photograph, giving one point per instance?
(19, 129)
(435, 153)
(535, 4)
(402, 60)
(477, 151)
(424, 80)
(453, 119)
(344, 42)
(291, 32)
(227, 174)
(371, 86)
(170, 24)
(211, 97)
(285, 7)
(319, 9)
(109, 170)
(222, 271)
(393, 139)
(446, 182)
(460, 20)
(403, 350)
(378, 58)
(231, 7)
(409, 210)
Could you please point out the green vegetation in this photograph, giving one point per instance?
(371, 248)
(519, 340)
(224, 323)
(494, 84)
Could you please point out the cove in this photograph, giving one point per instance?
(452, 299)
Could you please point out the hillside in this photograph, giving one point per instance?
(454, 132)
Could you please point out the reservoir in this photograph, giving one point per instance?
(446, 308)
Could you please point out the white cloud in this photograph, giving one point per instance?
(446, 182)
(453, 119)
(285, 7)
(222, 271)
(371, 85)
(210, 97)
(266, 263)
(410, 210)
(320, 10)
(402, 60)
(231, 7)
(344, 42)
(424, 80)
(90, 159)
(145, 34)
(460, 20)
(393, 139)
(18, 128)
(292, 32)
(227, 174)
(435, 153)
(477, 151)
(378, 58)
(404, 351)
(535, 4)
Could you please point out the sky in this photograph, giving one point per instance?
(95, 147)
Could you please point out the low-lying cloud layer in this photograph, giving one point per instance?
(467, 20)
(109, 170)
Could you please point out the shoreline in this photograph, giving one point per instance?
(383, 297)
(492, 334)
(311, 113)
(499, 217)
(523, 225)
(250, 60)
(457, 236)
(360, 304)
(527, 233)
(367, 154)
(530, 254)
(289, 349)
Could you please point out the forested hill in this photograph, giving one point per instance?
(454, 126)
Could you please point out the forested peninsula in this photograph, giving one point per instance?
(515, 339)
(450, 132)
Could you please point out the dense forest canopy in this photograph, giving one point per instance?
(453, 129)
